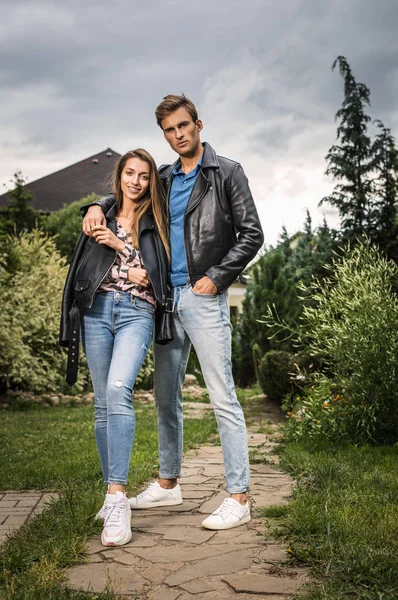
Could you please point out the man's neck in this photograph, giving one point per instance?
(188, 163)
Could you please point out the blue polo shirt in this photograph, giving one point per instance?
(181, 188)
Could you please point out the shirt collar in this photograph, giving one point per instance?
(177, 168)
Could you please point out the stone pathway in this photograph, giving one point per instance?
(172, 557)
(17, 507)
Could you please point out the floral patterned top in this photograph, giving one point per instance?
(116, 280)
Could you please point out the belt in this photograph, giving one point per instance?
(73, 349)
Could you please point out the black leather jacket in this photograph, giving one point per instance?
(222, 231)
(89, 265)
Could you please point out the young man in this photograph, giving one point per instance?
(214, 233)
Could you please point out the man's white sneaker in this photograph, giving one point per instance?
(117, 523)
(154, 495)
(230, 514)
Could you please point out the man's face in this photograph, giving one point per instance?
(181, 132)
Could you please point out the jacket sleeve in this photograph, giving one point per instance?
(248, 229)
(105, 203)
(67, 298)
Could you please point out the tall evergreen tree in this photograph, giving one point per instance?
(349, 161)
(312, 252)
(385, 167)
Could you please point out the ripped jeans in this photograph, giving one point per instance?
(116, 334)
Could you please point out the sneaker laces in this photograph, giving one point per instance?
(155, 484)
(114, 514)
(226, 507)
(101, 514)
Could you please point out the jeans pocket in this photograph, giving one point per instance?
(204, 295)
(143, 305)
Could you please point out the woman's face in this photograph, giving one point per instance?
(134, 179)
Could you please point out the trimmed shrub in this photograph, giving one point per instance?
(274, 371)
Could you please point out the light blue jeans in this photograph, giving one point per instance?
(116, 334)
(204, 321)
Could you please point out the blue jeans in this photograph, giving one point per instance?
(116, 334)
(204, 321)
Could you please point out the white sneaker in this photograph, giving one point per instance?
(154, 495)
(230, 514)
(117, 523)
(101, 514)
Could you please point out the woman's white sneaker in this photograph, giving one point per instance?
(230, 514)
(154, 496)
(117, 522)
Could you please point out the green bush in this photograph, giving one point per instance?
(32, 276)
(271, 284)
(352, 327)
(66, 224)
(274, 371)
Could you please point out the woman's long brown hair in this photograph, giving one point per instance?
(154, 200)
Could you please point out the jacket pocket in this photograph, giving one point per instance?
(82, 285)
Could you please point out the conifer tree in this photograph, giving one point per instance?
(385, 167)
(349, 161)
(19, 215)
(271, 284)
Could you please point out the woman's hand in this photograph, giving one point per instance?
(94, 217)
(103, 235)
(138, 276)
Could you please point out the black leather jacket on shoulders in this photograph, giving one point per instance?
(89, 265)
(222, 230)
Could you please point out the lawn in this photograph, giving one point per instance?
(343, 520)
(54, 449)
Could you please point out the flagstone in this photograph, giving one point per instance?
(96, 577)
(95, 558)
(262, 584)
(211, 450)
(247, 537)
(265, 469)
(214, 471)
(199, 586)
(126, 559)
(140, 540)
(273, 553)
(94, 546)
(172, 566)
(192, 470)
(184, 554)
(216, 565)
(210, 505)
(195, 479)
(165, 593)
(193, 535)
(155, 574)
(195, 494)
(172, 520)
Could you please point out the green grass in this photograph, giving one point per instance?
(343, 521)
(55, 449)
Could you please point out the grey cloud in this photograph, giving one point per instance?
(76, 77)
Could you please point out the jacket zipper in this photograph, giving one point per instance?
(160, 267)
(187, 211)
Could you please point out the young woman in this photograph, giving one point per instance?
(116, 281)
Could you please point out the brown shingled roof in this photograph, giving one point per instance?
(72, 183)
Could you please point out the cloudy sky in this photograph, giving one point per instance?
(77, 77)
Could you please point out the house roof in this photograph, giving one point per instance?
(72, 183)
